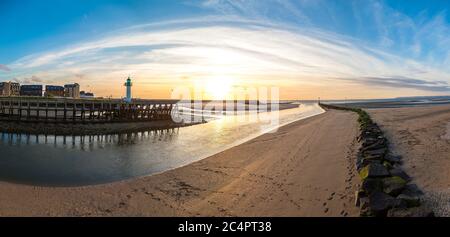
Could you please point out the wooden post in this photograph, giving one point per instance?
(65, 111)
(10, 108)
(56, 111)
(29, 111)
(82, 112)
(74, 114)
(38, 111)
(46, 111)
(100, 113)
(91, 112)
(20, 110)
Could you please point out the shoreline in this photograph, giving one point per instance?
(301, 170)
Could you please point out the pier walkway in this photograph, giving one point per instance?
(37, 109)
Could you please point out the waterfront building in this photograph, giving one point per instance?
(84, 94)
(128, 86)
(3, 89)
(54, 91)
(31, 90)
(9, 89)
(72, 90)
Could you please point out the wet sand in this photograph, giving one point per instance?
(422, 136)
(306, 168)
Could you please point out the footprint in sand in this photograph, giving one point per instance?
(344, 213)
(331, 197)
(446, 136)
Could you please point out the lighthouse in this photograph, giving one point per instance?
(128, 85)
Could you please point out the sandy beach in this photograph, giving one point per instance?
(422, 136)
(306, 168)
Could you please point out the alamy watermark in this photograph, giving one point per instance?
(250, 104)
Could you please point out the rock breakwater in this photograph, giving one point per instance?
(385, 189)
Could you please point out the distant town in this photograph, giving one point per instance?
(68, 90)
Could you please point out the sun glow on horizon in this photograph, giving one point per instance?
(218, 87)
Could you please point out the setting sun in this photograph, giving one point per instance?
(218, 87)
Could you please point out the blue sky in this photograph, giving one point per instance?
(32, 25)
(378, 48)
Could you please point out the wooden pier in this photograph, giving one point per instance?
(37, 109)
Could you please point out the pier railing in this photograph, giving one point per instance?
(38, 109)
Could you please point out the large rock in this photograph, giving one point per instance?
(379, 144)
(364, 206)
(400, 173)
(412, 190)
(410, 212)
(377, 152)
(373, 170)
(393, 159)
(371, 185)
(410, 200)
(388, 165)
(370, 133)
(380, 203)
(358, 195)
(393, 185)
(362, 156)
(369, 141)
(364, 162)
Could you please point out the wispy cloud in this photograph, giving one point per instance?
(402, 82)
(250, 51)
(4, 68)
(259, 46)
(29, 80)
(269, 10)
(421, 37)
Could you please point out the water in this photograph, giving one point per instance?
(85, 160)
(394, 102)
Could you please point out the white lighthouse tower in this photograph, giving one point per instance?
(128, 85)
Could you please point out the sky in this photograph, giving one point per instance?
(333, 49)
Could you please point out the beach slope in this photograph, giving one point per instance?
(422, 136)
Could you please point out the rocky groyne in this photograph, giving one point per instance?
(385, 189)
